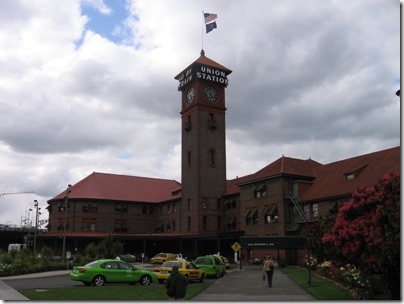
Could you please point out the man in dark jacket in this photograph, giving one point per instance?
(176, 285)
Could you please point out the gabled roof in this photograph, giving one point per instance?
(329, 180)
(289, 166)
(124, 188)
(345, 176)
(283, 165)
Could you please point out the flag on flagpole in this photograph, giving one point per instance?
(210, 21)
(209, 17)
(210, 26)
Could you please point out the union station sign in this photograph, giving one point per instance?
(202, 72)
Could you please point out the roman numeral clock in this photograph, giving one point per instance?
(203, 166)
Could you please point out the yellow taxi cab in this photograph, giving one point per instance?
(188, 269)
(161, 257)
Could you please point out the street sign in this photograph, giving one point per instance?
(236, 246)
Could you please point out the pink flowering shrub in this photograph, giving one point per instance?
(367, 231)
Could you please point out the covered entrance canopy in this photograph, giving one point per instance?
(270, 242)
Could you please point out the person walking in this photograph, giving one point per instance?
(269, 268)
(176, 285)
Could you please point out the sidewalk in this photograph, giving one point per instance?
(247, 285)
(237, 285)
(9, 294)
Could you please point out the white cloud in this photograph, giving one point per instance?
(314, 79)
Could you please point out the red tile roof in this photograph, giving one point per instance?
(368, 169)
(124, 188)
(283, 165)
(328, 180)
(287, 165)
(206, 61)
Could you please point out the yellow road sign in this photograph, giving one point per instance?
(236, 246)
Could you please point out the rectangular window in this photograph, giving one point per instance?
(189, 204)
(260, 190)
(168, 208)
(189, 223)
(315, 210)
(84, 226)
(204, 222)
(271, 213)
(151, 210)
(219, 223)
(189, 158)
(174, 208)
(212, 153)
(144, 209)
(188, 124)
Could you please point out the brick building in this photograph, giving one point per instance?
(206, 213)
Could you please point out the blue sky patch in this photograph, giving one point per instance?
(104, 24)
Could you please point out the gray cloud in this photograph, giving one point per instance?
(310, 79)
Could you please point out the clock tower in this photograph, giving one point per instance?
(203, 168)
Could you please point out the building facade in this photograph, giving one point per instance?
(206, 213)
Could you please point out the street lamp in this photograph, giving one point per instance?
(36, 222)
(68, 190)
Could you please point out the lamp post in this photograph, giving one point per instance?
(36, 222)
(68, 190)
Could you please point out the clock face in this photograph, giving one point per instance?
(210, 94)
(191, 95)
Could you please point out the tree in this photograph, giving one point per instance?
(314, 244)
(367, 231)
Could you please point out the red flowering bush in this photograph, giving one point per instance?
(367, 231)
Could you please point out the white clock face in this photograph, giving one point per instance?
(210, 94)
(191, 95)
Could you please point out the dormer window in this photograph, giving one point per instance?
(349, 176)
(353, 172)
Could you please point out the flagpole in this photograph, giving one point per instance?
(203, 19)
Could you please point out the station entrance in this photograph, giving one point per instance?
(283, 248)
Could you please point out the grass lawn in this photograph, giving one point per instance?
(320, 289)
(154, 292)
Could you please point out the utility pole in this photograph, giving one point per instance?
(68, 190)
(36, 223)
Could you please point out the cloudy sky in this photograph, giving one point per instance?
(89, 86)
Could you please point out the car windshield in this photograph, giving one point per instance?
(160, 255)
(204, 261)
(171, 264)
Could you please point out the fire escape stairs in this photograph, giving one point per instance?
(298, 206)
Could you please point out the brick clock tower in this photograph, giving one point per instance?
(202, 85)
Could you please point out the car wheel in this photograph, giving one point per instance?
(217, 274)
(99, 280)
(202, 278)
(145, 280)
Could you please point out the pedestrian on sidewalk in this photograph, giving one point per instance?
(176, 285)
(269, 268)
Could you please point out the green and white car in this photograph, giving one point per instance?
(107, 271)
